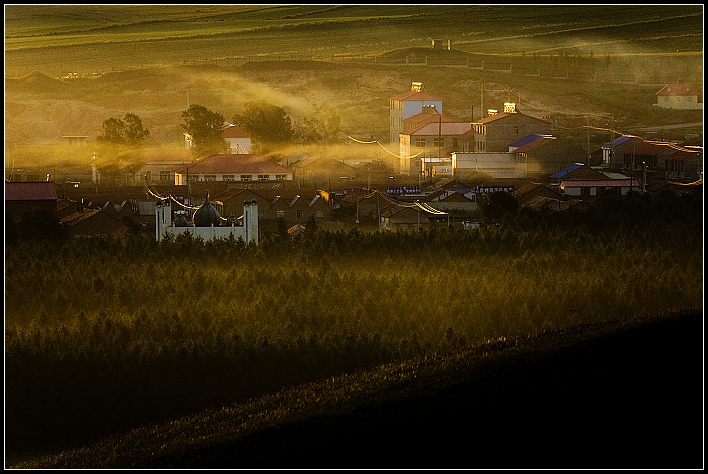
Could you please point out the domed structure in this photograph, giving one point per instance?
(207, 215)
(181, 221)
(232, 220)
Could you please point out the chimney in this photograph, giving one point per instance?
(509, 108)
(417, 86)
(491, 112)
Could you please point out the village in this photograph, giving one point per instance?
(434, 169)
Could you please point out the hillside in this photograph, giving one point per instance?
(68, 70)
(626, 395)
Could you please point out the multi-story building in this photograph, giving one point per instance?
(427, 148)
(495, 132)
(408, 104)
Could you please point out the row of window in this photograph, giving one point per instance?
(421, 142)
(167, 176)
(243, 177)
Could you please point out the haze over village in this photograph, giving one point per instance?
(433, 168)
(354, 236)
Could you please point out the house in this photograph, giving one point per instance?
(543, 154)
(634, 154)
(591, 188)
(450, 201)
(408, 104)
(94, 223)
(295, 205)
(239, 168)
(318, 169)
(577, 171)
(495, 132)
(239, 139)
(414, 216)
(606, 155)
(677, 96)
(365, 206)
(430, 145)
(469, 166)
(530, 191)
(29, 196)
(682, 163)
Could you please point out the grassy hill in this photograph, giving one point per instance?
(622, 395)
(69, 68)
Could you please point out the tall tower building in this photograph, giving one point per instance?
(406, 105)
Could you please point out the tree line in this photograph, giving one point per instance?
(120, 148)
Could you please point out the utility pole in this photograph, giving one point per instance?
(439, 144)
(481, 101)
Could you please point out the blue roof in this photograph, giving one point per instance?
(561, 173)
(618, 141)
(526, 140)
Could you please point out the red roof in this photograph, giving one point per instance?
(649, 148)
(31, 191)
(503, 115)
(232, 164)
(234, 131)
(682, 155)
(534, 144)
(676, 89)
(415, 96)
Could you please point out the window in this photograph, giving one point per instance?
(263, 177)
(209, 177)
(420, 142)
(229, 177)
(194, 177)
(280, 177)
(516, 129)
(300, 213)
(454, 142)
(148, 175)
(438, 142)
(246, 177)
(319, 213)
(280, 214)
(164, 175)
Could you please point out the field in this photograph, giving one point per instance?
(102, 337)
(105, 337)
(70, 68)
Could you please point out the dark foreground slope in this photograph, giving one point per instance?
(622, 395)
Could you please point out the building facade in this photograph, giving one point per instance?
(408, 104)
(498, 130)
(239, 168)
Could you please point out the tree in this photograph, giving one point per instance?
(120, 147)
(206, 130)
(129, 131)
(498, 205)
(268, 124)
(321, 127)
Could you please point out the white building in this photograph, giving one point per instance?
(678, 96)
(238, 138)
(206, 223)
(408, 104)
(232, 167)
